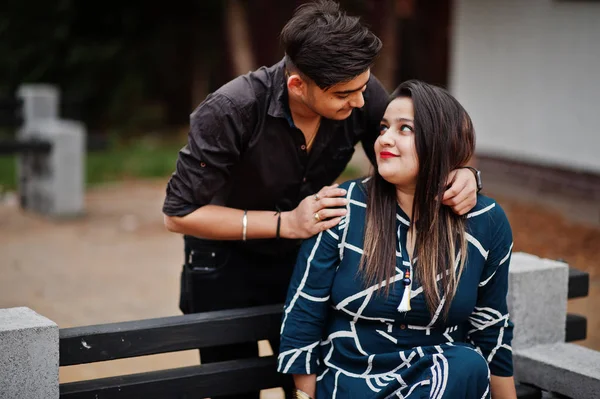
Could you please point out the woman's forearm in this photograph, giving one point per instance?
(503, 387)
(222, 223)
(306, 383)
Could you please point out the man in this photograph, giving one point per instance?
(263, 150)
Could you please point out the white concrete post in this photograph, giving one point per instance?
(28, 355)
(51, 184)
(564, 368)
(537, 300)
(56, 181)
(40, 102)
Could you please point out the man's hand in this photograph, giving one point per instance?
(462, 194)
(315, 213)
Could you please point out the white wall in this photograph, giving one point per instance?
(528, 73)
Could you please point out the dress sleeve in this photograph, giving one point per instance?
(491, 328)
(307, 303)
(214, 146)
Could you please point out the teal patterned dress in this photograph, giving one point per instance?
(358, 342)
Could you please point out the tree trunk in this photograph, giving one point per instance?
(206, 29)
(238, 37)
(385, 67)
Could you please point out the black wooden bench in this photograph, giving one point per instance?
(81, 345)
(90, 344)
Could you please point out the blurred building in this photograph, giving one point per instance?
(528, 73)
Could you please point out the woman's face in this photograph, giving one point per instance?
(395, 149)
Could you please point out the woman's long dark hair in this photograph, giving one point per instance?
(444, 141)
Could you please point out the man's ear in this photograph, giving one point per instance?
(296, 85)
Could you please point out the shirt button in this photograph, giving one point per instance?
(202, 164)
(403, 326)
(303, 147)
(304, 180)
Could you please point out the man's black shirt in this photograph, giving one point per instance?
(244, 151)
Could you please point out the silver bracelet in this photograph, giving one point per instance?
(244, 225)
(300, 394)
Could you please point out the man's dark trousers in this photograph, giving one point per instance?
(221, 275)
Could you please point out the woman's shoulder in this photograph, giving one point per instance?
(487, 211)
(356, 188)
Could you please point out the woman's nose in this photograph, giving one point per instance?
(386, 139)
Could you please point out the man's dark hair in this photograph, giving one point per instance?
(326, 45)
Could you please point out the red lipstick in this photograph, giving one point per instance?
(385, 155)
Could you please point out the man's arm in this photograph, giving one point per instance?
(222, 223)
(461, 196)
(218, 130)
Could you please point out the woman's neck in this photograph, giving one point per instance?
(406, 198)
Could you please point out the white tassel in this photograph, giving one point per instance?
(405, 302)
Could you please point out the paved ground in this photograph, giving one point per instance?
(118, 263)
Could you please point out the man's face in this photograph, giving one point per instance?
(338, 101)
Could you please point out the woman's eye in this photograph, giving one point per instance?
(406, 128)
(382, 128)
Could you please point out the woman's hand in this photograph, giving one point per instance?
(315, 213)
(307, 383)
(462, 194)
(503, 387)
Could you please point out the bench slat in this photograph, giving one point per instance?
(579, 283)
(231, 377)
(525, 391)
(89, 344)
(15, 146)
(576, 327)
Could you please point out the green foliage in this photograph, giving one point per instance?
(146, 158)
(350, 173)
(141, 160)
(8, 173)
(126, 63)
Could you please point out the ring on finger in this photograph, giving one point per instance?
(317, 197)
(317, 217)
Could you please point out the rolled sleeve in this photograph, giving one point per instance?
(217, 131)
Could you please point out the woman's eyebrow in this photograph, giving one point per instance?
(403, 120)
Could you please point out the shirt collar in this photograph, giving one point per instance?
(279, 106)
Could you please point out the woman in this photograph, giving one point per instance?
(380, 306)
